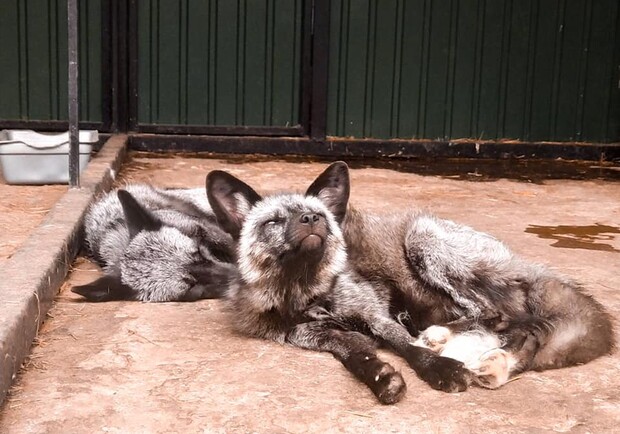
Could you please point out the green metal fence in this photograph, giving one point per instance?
(33, 60)
(531, 70)
(491, 69)
(208, 62)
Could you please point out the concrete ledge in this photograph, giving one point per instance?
(32, 276)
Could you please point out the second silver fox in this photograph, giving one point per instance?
(156, 245)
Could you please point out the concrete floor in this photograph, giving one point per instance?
(130, 367)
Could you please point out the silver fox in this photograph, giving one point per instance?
(156, 245)
(320, 275)
(296, 286)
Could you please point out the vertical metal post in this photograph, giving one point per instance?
(306, 65)
(320, 69)
(74, 140)
(128, 59)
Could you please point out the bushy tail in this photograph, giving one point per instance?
(579, 329)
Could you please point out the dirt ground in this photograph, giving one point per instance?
(125, 367)
(23, 208)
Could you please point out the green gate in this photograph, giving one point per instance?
(219, 63)
(33, 64)
(530, 70)
(439, 70)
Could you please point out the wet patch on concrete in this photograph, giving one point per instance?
(590, 237)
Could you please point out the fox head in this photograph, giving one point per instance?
(169, 256)
(284, 240)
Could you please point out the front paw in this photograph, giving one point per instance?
(447, 375)
(389, 387)
(493, 368)
(385, 382)
(434, 338)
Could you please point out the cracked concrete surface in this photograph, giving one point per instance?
(174, 367)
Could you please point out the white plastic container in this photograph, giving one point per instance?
(28, 157)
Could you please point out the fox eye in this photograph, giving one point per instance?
(273, 222)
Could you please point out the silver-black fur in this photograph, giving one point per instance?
(296, 286)
(510, 315)
(463, 293)
(156, 245)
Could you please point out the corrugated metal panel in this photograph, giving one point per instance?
(219, 62)
(33, 60)
(489, 69)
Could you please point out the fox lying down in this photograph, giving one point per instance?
(313, 272)
(156, 245)
(317, 274)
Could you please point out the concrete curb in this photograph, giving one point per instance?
(32, 276)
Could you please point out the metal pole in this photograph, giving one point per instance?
(320, 66)
(74, 142)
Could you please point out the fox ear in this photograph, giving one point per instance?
(231, 199)
(138, 218)
(106, 288)
(333, 188)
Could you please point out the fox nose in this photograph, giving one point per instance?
(309, 218)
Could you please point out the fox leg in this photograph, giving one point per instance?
(479, 350)
(491, 356)
(356, 352)
(436, 337)
(497, 366)
(441, 373)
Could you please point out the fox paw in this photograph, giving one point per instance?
(447, 375)
(385, 382)
(389, 386)
(492, 369)
(434, 338)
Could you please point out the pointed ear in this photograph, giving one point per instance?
(138, 218)
(106, 288)
(333, 188)
(231, 199)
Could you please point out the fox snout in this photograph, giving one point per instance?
(307, 234)
(309, 218)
